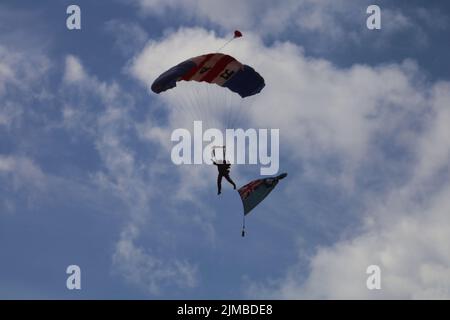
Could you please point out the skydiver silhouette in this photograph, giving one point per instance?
(224, 171)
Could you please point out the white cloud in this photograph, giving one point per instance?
(268, 16)
(74, 71)
(325, 113)
(128, 36)
(148, 271)
(409, 242)
(125, 176)
(316, 98)
(9, 113)
(20, 175)
(23, 172)
(410, 239)
(6, 74)
(434, 144)
(21, 77)
(346, 115)
(328, 24)
(20, 69)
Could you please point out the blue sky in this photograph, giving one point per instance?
(86, 176)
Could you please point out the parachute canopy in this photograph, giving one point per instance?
(218, 68)
(255, 192)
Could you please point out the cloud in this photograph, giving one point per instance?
(320, 25)
(92, 110)
(20, 176)
(433, 145)
(74, 71)
(408, 241)
(316, 98)
(148, 271)
(374, 134)
(377, 132)
(20, 70)
(124, 175)
(267, 16)
(128, 36)
(24, 172)
(21, 77)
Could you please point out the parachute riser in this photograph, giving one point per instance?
(214, 153)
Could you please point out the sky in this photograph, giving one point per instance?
(86, 177)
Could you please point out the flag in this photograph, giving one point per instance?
(255, 191)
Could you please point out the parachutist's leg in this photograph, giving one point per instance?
(219, 184)
(230, 181)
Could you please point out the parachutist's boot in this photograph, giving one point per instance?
(219, 192)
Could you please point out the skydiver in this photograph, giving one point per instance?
(224, 171)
